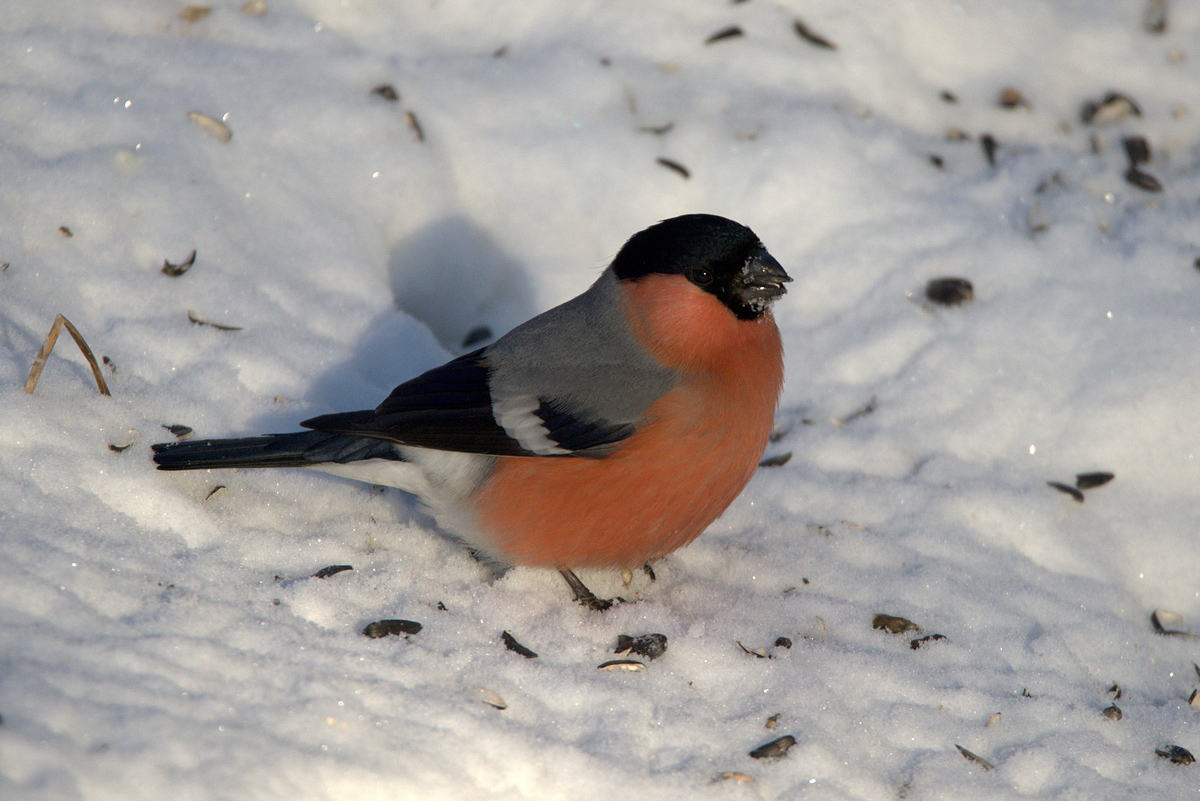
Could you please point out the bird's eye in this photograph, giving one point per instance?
(701, 276)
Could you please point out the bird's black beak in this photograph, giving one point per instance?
(761, 280)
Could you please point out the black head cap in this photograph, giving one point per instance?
(718, 255)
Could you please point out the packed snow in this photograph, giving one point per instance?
(401, 174)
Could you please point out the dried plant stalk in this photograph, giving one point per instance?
(39, 361)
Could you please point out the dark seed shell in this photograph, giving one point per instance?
(179, 430)
(1086, 481)
(1112, 712)
(949, 291)
(775, 749)
(990, 145)
(387, 92)
(676, 166)
(921, 641)
(732, 32)
(807, 34)
(893, 625)
(651, 646)
(510, 642)
(1137, 149)
(783, 642)
(176, 270)
(1143, 180)
(383, 628)
(779, 460)
(332, 570)
(975, 758)
(1175, 753)
(1068, 489)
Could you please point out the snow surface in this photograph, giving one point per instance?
(156, 642)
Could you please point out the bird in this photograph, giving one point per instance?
(605, 432)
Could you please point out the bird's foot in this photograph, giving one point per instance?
(586, 597)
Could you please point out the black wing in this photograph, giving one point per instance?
(450, 408)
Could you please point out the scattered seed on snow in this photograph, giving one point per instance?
(674, 165)
(1011, 97)
(255, 8)
(332, 570)
(510, 642)
(760, 653)
(657, 130)
(1194, 699)
(994, 719)
(1177, 754)
(384, 628)
(488, 697)
(176, 270)
(1143, 180)
(949, 291)
(773, 721)
(1112, 712)
(214, 491)
(974, 758)
(1166, 623)
(989, 145)
(922, 641)
(651, 646)
(211, 125)
(1112, 107)
(623, 664)
(779, 460)
(783, 642)
(198, 320)
(1068, 489)
(1137, 149)
(774, 749)
(180, 430)
(732, 32)
(893, 624)
(1086, 481)
(1114, 691)
(809, 35)
(414, 124)
(387, 92)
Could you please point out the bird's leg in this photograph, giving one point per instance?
(585, 596)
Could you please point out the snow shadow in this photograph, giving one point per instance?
(454, 277)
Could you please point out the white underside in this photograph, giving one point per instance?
(442, 480)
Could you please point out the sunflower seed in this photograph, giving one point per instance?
(623, 664)
(974, 758)
(211, 125)
(807, 34)
(198, 320)
(1086, 481)
(1175, 753)
(921, 641)
(383, 628)
(949, 291)
(651, 646)
(732, 32)
(1112, 107)
(488, 697)
(893, 624)
(180, 430)
(387, 92)
(332, 570)
(176, 270)
(1074, 493)
(779, 460)
(674, 165)
(775, 749)
(1143, 180)
(1112, 712)
(510, 642)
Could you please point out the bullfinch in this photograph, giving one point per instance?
(605, 432)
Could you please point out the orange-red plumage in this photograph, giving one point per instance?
(665, 484)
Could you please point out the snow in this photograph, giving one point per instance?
(158, 642)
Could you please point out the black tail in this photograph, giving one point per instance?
(301, 449)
